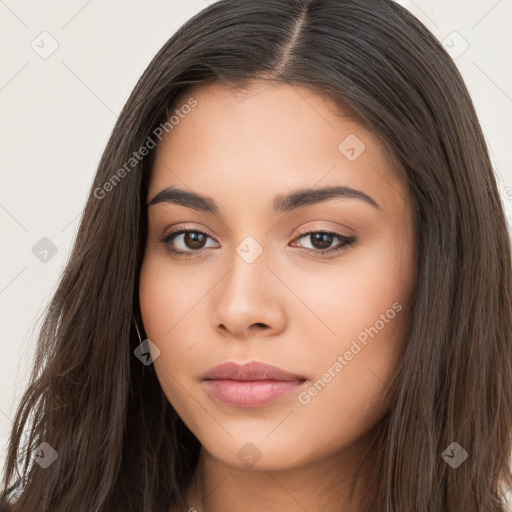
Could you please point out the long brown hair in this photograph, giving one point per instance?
(120, 444)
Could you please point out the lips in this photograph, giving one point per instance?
(250, 385)
(250, 371)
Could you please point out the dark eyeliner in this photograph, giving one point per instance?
(345, 242)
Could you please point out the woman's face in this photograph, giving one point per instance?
(257, 287)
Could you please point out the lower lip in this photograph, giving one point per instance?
(251, 393)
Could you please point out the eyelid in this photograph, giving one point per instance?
(301, 231)
(323, 229)
(186, 228)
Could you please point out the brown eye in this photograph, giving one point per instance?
(185, 242)
(194, 239)
(320, 241)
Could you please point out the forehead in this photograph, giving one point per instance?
(268, 138)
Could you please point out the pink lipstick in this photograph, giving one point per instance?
(253, 384)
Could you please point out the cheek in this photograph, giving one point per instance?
(364, 304)
(167, 294)
(364, 296)
(171, 302)
(155, 299)
(160, 307)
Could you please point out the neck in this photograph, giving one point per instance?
(325, 485)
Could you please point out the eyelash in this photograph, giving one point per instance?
(346, 242)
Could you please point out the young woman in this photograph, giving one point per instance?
(291, 285)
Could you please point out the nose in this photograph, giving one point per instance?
(249, 300)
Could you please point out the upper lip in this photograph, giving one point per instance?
(254, 370)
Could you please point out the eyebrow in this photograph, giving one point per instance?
(281, 203)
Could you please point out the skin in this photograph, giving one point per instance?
(291, 307)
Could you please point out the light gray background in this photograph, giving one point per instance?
(57, 111)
